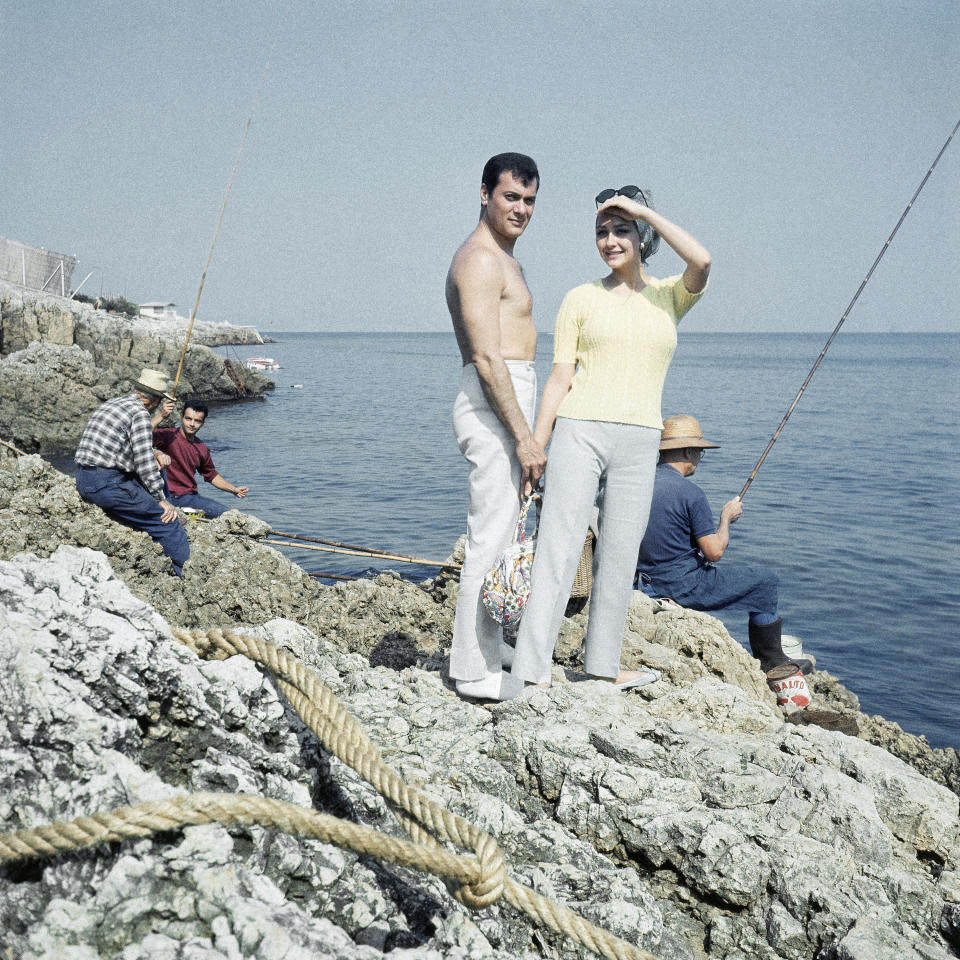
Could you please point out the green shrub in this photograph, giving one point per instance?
(120, 305)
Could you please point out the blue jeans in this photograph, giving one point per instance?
(587, 457)
(209, 507)
(125, 499)
(693, 583)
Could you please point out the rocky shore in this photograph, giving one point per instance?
(688, 818)
(60, 359)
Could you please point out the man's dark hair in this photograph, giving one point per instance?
(519, 164)
(198, 407)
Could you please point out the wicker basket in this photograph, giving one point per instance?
(583, 581)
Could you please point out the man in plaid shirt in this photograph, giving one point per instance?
(117, 471)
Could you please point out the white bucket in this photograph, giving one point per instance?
(792, 646)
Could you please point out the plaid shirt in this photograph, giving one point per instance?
(120, 435)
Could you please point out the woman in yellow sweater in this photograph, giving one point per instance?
(613, 342)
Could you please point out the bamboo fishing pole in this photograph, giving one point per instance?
(213, 243)
(421, 561)
(336, 543)
(846, 313)
(16, 450)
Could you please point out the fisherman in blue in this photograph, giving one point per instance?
(681, 547)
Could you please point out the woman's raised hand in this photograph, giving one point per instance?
(632, 208)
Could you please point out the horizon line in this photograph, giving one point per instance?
(903, 333)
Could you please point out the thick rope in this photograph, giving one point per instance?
(229, 809)
(477, 881)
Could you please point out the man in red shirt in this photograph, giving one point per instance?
(188, 456)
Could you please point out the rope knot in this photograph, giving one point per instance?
(488, 886)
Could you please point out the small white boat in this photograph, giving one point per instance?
(262, 363)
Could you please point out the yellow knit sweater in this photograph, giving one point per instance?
(622, 348)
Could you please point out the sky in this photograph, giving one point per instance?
(788, 137)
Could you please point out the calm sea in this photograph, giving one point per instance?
(855, 507)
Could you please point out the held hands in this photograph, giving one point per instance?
(166, 408)
(533, 461)
(163, 460)
(731, 510)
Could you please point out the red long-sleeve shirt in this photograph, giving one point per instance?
(187, 458)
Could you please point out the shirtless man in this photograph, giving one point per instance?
(490, 306)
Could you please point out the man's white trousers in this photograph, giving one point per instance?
(494, 484)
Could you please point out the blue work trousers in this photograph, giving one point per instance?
(125, 499)
(209, 507)
(694, 583)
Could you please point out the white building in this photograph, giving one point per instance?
(162, 311)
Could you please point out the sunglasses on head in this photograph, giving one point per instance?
(630, 191)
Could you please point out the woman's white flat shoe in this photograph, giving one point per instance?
(647, 675)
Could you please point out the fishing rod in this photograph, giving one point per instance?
(846, 313)
(347, 549)
(223, 207)
(336, 543)
(421, 561)
(16, 450)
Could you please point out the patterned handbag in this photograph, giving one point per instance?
(506, 586)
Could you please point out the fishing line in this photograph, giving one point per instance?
(846, 313)
(223, 207)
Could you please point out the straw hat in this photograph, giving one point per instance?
(153, 382)
(681, 431)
